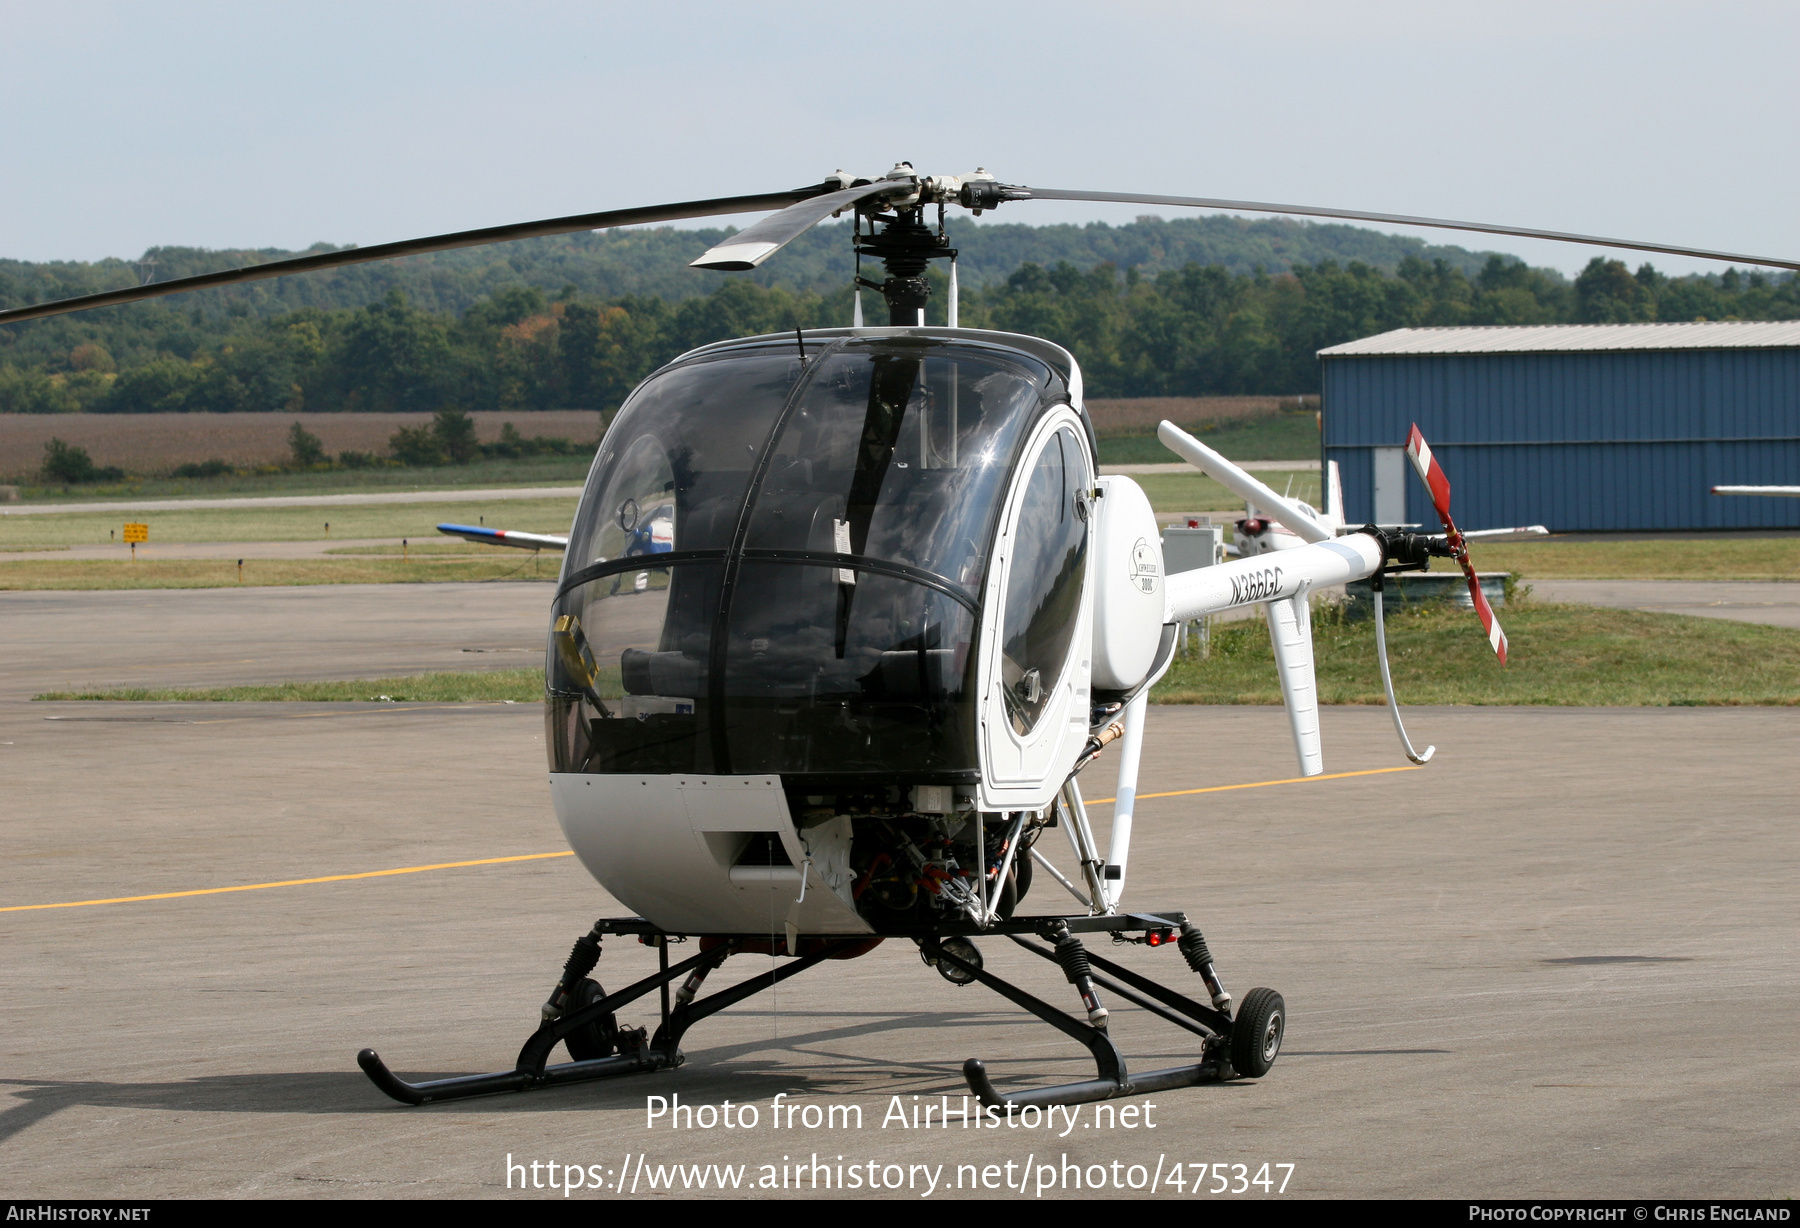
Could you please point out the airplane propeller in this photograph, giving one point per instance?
(1432, 474)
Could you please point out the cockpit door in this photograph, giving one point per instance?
(1036, 624)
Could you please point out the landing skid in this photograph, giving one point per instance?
(638, 1052)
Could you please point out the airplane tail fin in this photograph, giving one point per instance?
(1334, 493)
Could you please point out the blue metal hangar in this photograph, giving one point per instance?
(1581, 427)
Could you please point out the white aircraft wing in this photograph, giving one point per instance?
(505, 537)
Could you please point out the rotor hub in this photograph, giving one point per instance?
(906, 246)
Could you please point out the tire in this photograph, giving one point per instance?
(596, 1039)
(1257, 1033)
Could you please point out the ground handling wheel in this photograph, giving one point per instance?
(597, 1039)
(1256, 1033)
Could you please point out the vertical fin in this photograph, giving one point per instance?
(1131, 748)
(1290, 632)
(1334, 493)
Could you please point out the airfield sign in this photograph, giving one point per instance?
(135, 533)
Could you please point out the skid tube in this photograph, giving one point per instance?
(639, 1053)
(659, 1052)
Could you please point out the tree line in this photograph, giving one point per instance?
(650, 261)
(1190, 331)
(448, 439)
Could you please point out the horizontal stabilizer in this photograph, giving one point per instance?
(1282, 510)
(505, 537)
(1791, 492)
(1524, 530)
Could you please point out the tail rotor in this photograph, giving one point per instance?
(1432, 474)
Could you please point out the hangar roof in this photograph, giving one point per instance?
(1565, 338)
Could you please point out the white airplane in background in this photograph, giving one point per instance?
(1791, 492)
(1260, 534)
(506, 537)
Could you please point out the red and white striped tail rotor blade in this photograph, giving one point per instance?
(1432, 474)
(1490, 624)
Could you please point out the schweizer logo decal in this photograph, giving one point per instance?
(1145, 570)
(1257, 586)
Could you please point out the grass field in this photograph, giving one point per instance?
(1195, 492)
(1273, 437)
(492, 686)
(1140, 415)
(277, 524)
(1561, 655)
(1558, 654)
(156, 443)
(526, 471)
(1714, 558)
(433, 547)
(77, 574)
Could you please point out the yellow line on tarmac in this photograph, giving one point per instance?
(1259, 784)
(292, 882)
(494, 861)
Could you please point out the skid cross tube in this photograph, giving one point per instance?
(676, 1022)
(661, 1052)
(1114, 1081)
(1109, 1062)
(530, 1071)
(536, 1050)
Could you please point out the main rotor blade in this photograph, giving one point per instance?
(749, 248)
(1401, 219)
(413, 247)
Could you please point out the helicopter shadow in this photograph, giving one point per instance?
(349, 1091)
(280, 1092)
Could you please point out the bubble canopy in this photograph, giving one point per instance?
(777, 563)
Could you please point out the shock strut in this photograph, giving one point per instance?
(691, 986)
(1074, 960)
(582, 958)
(1193, 946)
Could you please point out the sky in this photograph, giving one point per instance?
(249, 124)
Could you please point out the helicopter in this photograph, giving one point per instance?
(882, 614)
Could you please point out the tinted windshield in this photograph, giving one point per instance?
(833, 634)
(677, 459)
(898, 455)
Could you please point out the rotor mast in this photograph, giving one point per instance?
(906, 246)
